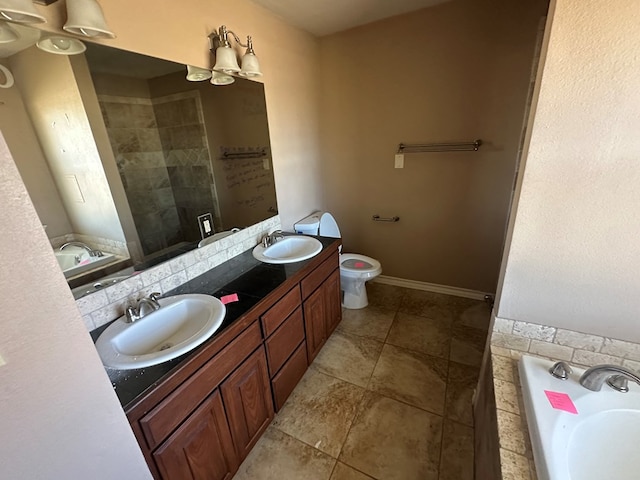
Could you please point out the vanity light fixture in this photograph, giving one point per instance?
(226, 60)
(197, 74)
(7, 34)
(20, 11)
(85, 17)
(61, 45)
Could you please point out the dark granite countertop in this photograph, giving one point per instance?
(251, 279)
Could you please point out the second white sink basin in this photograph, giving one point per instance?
(293, 248)
(182, 323)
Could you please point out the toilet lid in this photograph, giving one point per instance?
(329, 226)
(352, 262)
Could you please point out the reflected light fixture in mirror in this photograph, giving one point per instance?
(219, 78)
(85, 17)
(61, 45)
(226, 60)
(20, 11)
(197, 74)
(7, 34)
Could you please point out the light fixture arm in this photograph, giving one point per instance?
(220, 37)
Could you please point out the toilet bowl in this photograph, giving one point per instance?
(355, 269)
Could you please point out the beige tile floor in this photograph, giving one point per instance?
(388, 397)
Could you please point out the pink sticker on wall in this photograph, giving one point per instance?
(561, 401)
(229, 298)
(359, 265)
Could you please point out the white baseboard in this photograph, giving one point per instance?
(431, 287)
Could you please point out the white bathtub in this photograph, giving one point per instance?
(600, 442)
(71, 267)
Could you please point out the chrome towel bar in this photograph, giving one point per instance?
(440, 147)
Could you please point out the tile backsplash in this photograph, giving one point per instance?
(107, 304)
(579, 348)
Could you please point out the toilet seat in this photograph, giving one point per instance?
(355, 265)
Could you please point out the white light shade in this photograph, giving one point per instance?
(250, 66)
(226, 60)
(61, 45)
(219, 78)
(20, 11)
(85, 17)
(7, 34)
(197, 74)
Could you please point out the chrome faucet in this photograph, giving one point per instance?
(594, 377)
(92, 253)
(144, 307)
(271, 238)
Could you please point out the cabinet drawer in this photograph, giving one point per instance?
(284, 341)
(277, 314)
(289, 376)
(315, 278)
(170, 413)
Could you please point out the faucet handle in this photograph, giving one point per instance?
(154, 297)
(131, 314)
(618, 383)
(560, 370)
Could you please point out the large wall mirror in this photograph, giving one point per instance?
(120, 152)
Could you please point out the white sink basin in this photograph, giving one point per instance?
(293, 248)
(182, 323)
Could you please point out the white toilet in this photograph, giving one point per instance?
(355, 269)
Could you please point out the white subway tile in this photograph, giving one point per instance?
(108, 313)
(507, 340)
(534, 331)
(174, 281)
(155, 274)
(92, 302)
(551, 350)
(506, 396)
(124, 288)
(590, 359)
(620, 348)
(197, 269)
(583, 341)
(503, 325)
(632, 364)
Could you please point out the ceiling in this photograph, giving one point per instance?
(324, 17)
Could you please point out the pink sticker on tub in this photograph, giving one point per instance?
(561, 401)
(229, 298)
(359, 264)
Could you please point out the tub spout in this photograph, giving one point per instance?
(594, 377)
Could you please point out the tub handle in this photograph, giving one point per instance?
(560, 370)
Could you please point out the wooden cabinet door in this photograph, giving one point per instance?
(247, 398)
(315, 312)
(201, 448)
(333, 301)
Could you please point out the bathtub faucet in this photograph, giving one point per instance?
(92, 253)
(594, 377)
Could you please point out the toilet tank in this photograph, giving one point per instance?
(309, 225)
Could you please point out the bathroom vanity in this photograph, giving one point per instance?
(199, 415)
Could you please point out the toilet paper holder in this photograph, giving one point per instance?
(378, 218)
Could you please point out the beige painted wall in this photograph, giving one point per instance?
(573, 259)
(59, 117)
(31, 162)
(457, 71)
(60, 417)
